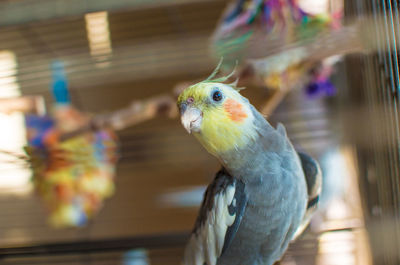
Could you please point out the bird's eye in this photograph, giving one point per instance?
(217, 95)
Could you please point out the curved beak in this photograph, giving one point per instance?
(191, 119)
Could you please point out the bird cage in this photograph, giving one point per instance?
(145, 49)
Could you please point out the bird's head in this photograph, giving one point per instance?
(217, 115)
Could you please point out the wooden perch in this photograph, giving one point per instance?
(25, 104)
(138, 111)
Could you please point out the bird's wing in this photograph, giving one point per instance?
(219, 218)
(312, 171)
(313, 176)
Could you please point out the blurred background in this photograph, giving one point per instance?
(108, 54)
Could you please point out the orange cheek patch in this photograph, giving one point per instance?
(235, 110)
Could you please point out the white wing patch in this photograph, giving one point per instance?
(206, 245)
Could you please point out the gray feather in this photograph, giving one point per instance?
(313, 176)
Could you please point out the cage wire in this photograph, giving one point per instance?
(374, 99)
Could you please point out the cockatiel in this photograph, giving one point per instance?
(265, 191)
